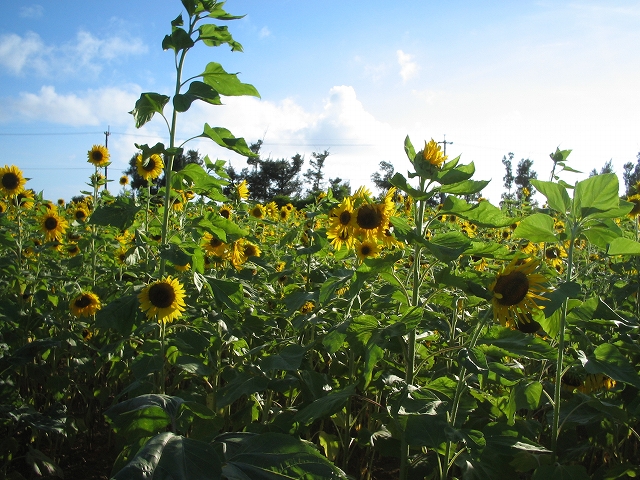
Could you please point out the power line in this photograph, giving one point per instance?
(37, 134)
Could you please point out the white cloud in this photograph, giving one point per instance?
(33, 11)
(408, 68)
(93, 107)
(264, 32)
(19, 54)
(16, 51)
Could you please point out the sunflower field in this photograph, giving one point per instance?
(194, 334)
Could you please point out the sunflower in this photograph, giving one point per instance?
(81, 213)
(307, 307)
(213, 245)
(124, 180)
(163, 300)
(150, 168)
(362, 192)
(343, 223)
(53, 226)
(85, 304)
(11, 181)
(98, 156)
(554, 255)
(182, 268)
(432, 154)
(25, 199)
(272, 210)
(242, 190)
(177, 201)
(72, 249)
(61, 202)
(3, 207)
(635, 199)
(258, 211)
(372, 220)
(515, 291)
(225, 211)
(367, 249)
(284, 213)
(241, 251)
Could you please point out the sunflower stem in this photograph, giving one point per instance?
(563, 323)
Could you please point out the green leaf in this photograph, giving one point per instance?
(408, 149)
(119, 314)
(197, 91)
(215, 35)
(225, 138)
(222, 228)
(457, 174)
(474, 360)
(273, 456)
(537, 227)
(244, 384)
(177, 41)
(623, 246)
(172, 457)
(525, 394)
(400, 182)
(226, 83)
(325, 406)
(289, 359)
(147, 106)
(447, 247)
(595, 195)
(502, 341)
(557, 196)
(607, 359)
(120, 214)
(603, 233)
(483, 214)
(227, 292)
(42, 465)
(329, 287)
(424, 430)
(466, 187)
(560, 472)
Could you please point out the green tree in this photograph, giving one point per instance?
(508, 178)
(631, 176)
(314, 174)
(524, 175)
(382, 178)
(606, 168)
(339, 188)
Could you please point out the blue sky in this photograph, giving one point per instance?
(352, 77)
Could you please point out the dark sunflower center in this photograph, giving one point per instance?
(80, 215)
(250, 251)
(552, 253)
(162, 295)
(215, 242)
(365, 250)
(225, 213)
(83, 302)
(73, 249)
(51, 223)
(150, 166)
(369, 217)
(96, 156)
(513, 288)
(345, 218)
(10, 181)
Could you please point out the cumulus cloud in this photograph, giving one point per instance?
(33, 11)
(408, 68)
(87, 52)
(91, 108)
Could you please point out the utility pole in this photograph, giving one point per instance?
(106, 145)
(444, 143)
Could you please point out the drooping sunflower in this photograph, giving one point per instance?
(53, 226)
(61, 202)
(241, 251)
(163, 300)
(432, 154)
(178, 201)
(85, 304)
(151, 168)
(242, 190)
(98, 156)
(515, 291)
(11, 181)
(367, 249)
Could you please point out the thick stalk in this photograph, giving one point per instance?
(410, 360)
(559, 362)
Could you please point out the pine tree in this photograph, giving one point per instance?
(524, 175)
(508, 177)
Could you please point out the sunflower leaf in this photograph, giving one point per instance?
(536, 228)
(147, 106)
(623, 246)
(224, 138)
(225, 83)
(556, 195)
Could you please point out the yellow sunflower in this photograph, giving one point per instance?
(343, 224)
(214, 246)
(61, 202)
(25, 199)
(258, 211)
(151, 168)
(225, 211)
(242, 190)
(178, 201)
(554, 255)
(241, 251)
(81, 213)
(163, 300)
(432, 154)
(367, 249)
(284, 213)
(372, 220)
(11, 181)
(85, 304)
(635, 199)
(3, 207)
(53, 226)
(124, 180)
(98, 156)
(72, 249)
(515, 291)
(272, 210)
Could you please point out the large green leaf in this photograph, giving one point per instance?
(325, 406)
(226, 292)
(595, 195)
(244, 384)
(147, 106)
(537, 227)
(172, 457)
(225, 138)
(557, 196)
(447, 247)
(197, 91)
(226, 83)
(119, 314)
(525, 394)
(623, 246)
(273, 456)
(120, 214)
(607, 359)
(401, 183)
(602, 233)
(423, 430)
(483, 214)
(466, 187)
(178, 40)
(501, 341)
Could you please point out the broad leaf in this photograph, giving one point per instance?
(325, 406)
(595, 195)
(225, 138)
(147, 106)
(537, 227)
(623, 246)
(607, 359)
(226, 83)
(557, 196)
